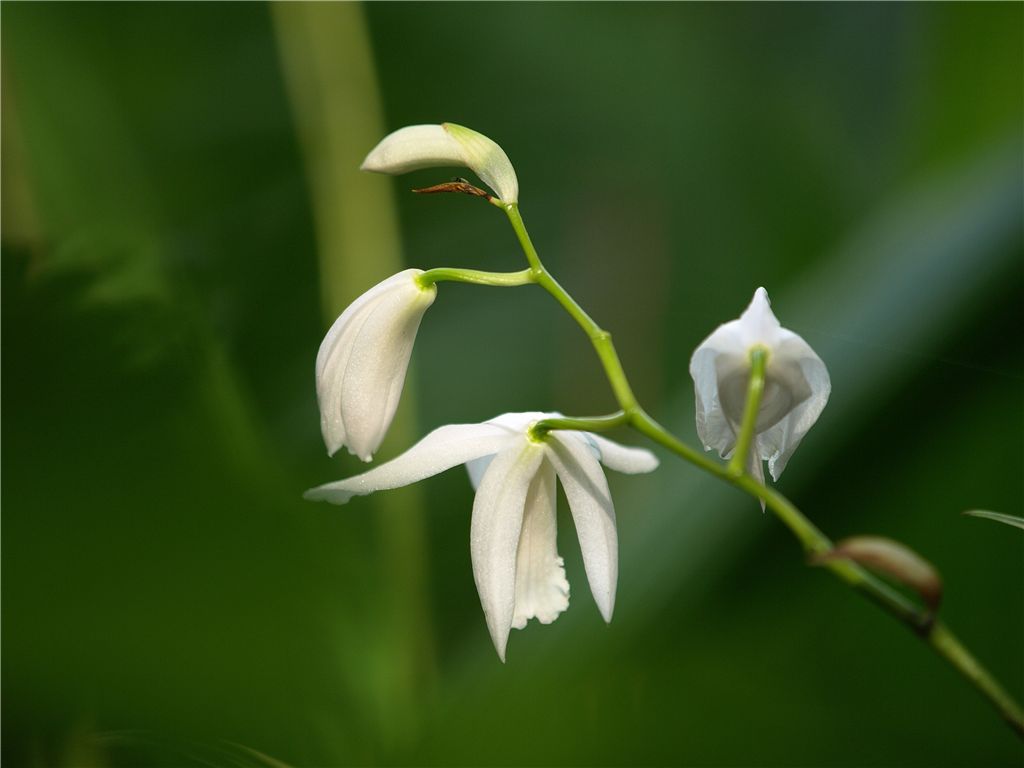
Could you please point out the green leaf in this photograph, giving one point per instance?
(1017, 522)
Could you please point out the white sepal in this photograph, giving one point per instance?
(623, 458)
(442, 449)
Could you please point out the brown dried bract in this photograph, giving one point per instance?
(455, 185)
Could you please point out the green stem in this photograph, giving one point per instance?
(645, 425)
(512, 211)
(813, 541)
(475, 276)
(758, 361)
(945, 643)
(581, 424)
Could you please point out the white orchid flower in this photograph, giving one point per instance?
(518, 572)
(448, 144)
(361, 365)
(796, 387)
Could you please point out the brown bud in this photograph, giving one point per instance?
(892, 559)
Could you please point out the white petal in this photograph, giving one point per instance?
(441, 449)
(431, 146)
(542, 591)
(494, 533)
(622, 458)
(361, 365)
(412, 148)
(593, 514)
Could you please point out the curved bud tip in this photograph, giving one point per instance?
(758, 316)
(761, 296)
(487, 160)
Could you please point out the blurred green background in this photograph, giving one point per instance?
(183, 215)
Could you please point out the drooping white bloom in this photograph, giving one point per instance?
(361, 365)
(448, 144)
(518, 572)
(796, 387)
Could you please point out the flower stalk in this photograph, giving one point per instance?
(815, 543)
(476, 277)
(581, 424)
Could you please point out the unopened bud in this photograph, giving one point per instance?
(445, 145)
(892, 559)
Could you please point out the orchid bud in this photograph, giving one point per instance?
(429, 146)
(796, 387)
(361, 365)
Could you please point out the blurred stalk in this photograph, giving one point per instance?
(17, 211)
(328, 68)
